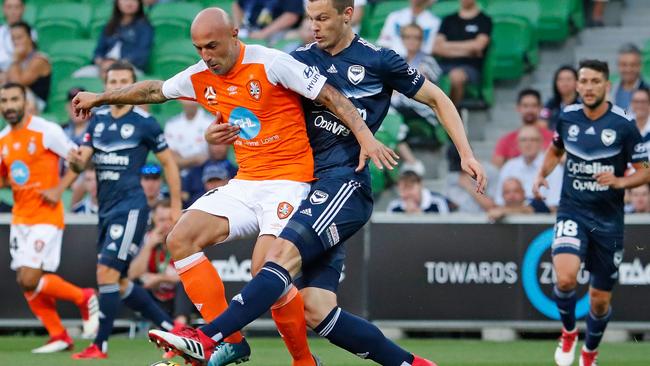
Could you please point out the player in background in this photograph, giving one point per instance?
(340, 201)
(257, 89)
(30, 148)
(600, 141)
(118, 141)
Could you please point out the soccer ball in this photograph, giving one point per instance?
(165, 363)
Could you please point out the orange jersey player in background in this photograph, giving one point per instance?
(30, 148)
(257, 91)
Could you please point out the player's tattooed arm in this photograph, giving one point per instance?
(371, 148)
(143, 92)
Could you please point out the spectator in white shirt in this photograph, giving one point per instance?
(641, 109)
(13, 12)
(184, 134)
(418, 13)
(526, 166)
(515, 202)
(640, 199)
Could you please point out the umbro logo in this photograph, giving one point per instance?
(332, 69)
(590, 131)
(306, 211)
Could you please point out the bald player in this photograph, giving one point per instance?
(258, 92)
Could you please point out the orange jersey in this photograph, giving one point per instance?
(30, 159)
(260, 94)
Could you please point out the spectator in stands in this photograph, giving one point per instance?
(266, 19)
(565, 82)
(88, 205)
(216, 174)
(127, 36)
(357, 16)
(525, 167)
(76, 125)
(154, 267)
(461, 45)
(414, 198)
(629, 68)
(597, 13)
(641, 111)
(639, 199)
(29, 67)
(515, 202)
(193, 183)
(418, 13)
(13, 13)
(152, 183)
(529, 105)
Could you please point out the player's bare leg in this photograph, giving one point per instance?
(566, 268)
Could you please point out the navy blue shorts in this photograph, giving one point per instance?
(601, 252)
(335, 210)
(120, 237)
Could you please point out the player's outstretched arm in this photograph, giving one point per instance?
(79, 158)
(371, 148)
(435, 98)
(173, 181)
(143, 92)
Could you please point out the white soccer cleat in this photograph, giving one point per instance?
(59, 343)
(566, 349)
(189, 343)
(89, 314)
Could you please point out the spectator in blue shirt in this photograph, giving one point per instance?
(266, 19)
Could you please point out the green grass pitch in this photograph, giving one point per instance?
(271, 352)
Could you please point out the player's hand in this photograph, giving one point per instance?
(472, 167)
(219, 133)
(380, 154)
(495, 214)
(75, 160)
(51, 195)
(538, 183)
(83, 102)
(609, 179)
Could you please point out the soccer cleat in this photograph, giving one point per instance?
(89, 314)
(419, 361)
(588, 358)
(317, 360)
(227, 353)
(91, 352)
(168, 355)
(566, 349)
(191, 344)
(62, 342)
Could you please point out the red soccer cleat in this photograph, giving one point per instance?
(91, 352)
(62, 342)
(588, 358)
(89, 314)
(565, 351)
(419, 361)
(191, 344)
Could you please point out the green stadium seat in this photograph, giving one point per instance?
(101, 14)
(377, 180)
(64, 66)
(223, 4)
(528, 10)
(164, 111)
(510, 41)
(578, 14)
(172, 57)
(80, 48)
(29, 16)
(173, 20)
(374, 19)
(261, 42)
(554, 20)
(443, 8)
(6, 195)
(61, 21)
(95, 85)
(390, 130)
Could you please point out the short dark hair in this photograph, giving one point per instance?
(410, 177)
(12, 85)
(529, 92)
(341, 5)
(596, 65)
(643, 90)
(26, 27)
(122, 65)
(629, 48)
(163, 202)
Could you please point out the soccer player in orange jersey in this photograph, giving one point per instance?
(30, 148)
(258, 90)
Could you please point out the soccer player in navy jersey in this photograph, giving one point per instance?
(309, 251)
(599, 141)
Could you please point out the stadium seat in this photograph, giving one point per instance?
(173, 20)
(554, 20)
(29, 16)
(528, 10)
(510, 41)
(81, 48)
(443, 8)
(578, 14)
(377, 180)
(169, 58)
(223, 4)
(101, 14)
(390, 130)
(164, 111)
(254, 41)
(60, 22)
(374, 19)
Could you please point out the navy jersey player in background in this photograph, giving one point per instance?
(600, 141)
(310, 251)
(117, 142)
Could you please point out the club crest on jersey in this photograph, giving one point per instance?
(127, 130)
(116, 231)
(31, 148)
(284, 210)
(608, 136)
(210, 95)
(39, 245)
(254, 89)
(574, 130)
(356, 73)
(99, 128)
(318, 197)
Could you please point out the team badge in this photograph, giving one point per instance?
(116, 231)
(210, 95)
(254, 89)
(99, 128)
(318, 197)
(284, 210)
(39, 245)
(127, 130)
(31, 148)
(574, 130)
(16, 145)
(608, 136)
(356, 73)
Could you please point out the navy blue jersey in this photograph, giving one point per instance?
(120, 149)
(367, 76)
(607, 144)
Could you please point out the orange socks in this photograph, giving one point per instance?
(289, 316)
(58, 288)
(44, 307)
(204, 287)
